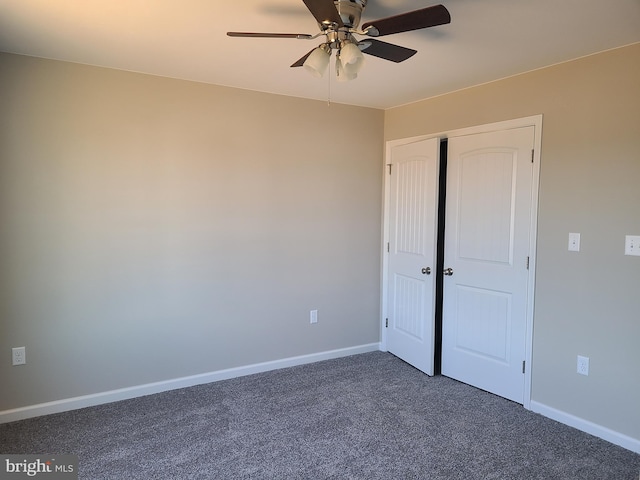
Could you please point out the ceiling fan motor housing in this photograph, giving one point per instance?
(350, 11)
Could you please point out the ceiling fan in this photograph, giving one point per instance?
(339, 21)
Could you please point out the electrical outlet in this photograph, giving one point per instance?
(19, 355)
(583, 365)
(313, 316)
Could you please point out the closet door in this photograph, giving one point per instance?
(487, 249)
(412, 250)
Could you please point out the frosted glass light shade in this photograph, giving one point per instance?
(351, 55)
(345, 72)
(317, 62)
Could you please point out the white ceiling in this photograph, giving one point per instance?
(486, 40)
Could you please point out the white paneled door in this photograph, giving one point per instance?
(487, 249)
(412, 252)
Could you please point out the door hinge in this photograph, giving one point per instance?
(388, 247)
(527, 263)
(523, 363)
(532, 150)
(389, 165)
(386, 323)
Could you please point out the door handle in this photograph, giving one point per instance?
(426, 271)
(448, 272)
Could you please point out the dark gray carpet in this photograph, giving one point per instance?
(362, 417)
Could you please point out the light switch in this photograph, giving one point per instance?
(574, 242)
(632, 245)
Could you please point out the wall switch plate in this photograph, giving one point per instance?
(313, 316)
(18, 356)
(574, 242)
(632, 245)
(583, 365)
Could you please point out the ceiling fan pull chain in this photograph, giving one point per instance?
(329, 87)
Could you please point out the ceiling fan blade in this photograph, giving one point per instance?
(300, 62)
(324, 11)
(270, 35)
(405, 22)
(388, 51)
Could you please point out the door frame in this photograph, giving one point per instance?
(536, 122)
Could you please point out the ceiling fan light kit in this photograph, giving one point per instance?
(338, 21)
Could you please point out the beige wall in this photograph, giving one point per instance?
(586, 303)
(154, 228)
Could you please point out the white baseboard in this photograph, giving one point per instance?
(599, 431)
(74, 403)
